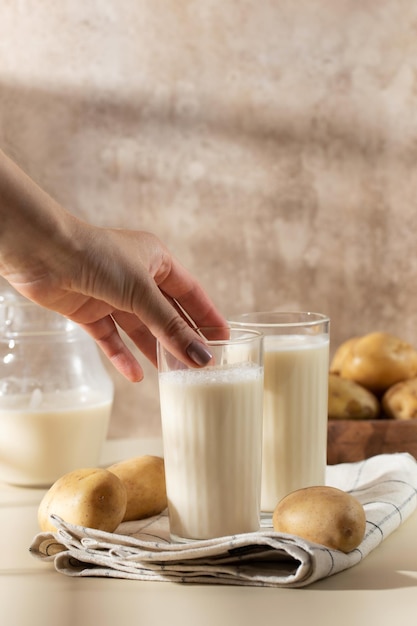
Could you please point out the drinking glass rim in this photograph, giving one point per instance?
(243, 319)
(252, 334)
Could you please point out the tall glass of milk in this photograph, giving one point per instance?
(55, 395)
(296, 363)
(212, 436)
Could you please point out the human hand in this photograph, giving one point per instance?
(109, 279)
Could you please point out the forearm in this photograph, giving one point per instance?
(33, 227)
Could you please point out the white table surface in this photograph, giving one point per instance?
(380, 591)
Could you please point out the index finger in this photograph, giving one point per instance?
(164, 321)
(184, 289)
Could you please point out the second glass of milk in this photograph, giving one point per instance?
(212, 436)
(296, 365)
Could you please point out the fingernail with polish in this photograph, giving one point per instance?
(199, 353)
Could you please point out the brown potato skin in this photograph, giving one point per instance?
(144, 481)
(350, 401)
(324, 515)
(379, 360)
(341, 354)
(90, 497)
(400, 401)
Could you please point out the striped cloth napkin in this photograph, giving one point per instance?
(386, 485)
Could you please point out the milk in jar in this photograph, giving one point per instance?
(44, 436)
(55, 394)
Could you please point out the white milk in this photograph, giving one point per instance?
(212, 433)
(295, 415)
(40, 444)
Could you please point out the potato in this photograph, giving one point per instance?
(324, 515)
(349, 400)
(89, 497)
(340, 355)
(144, 480)
(400, 401)
(379, 360)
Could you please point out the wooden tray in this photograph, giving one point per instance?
(354, 440)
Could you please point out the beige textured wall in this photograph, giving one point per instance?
(271, 144)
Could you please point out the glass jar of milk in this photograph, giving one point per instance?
(55, 394)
